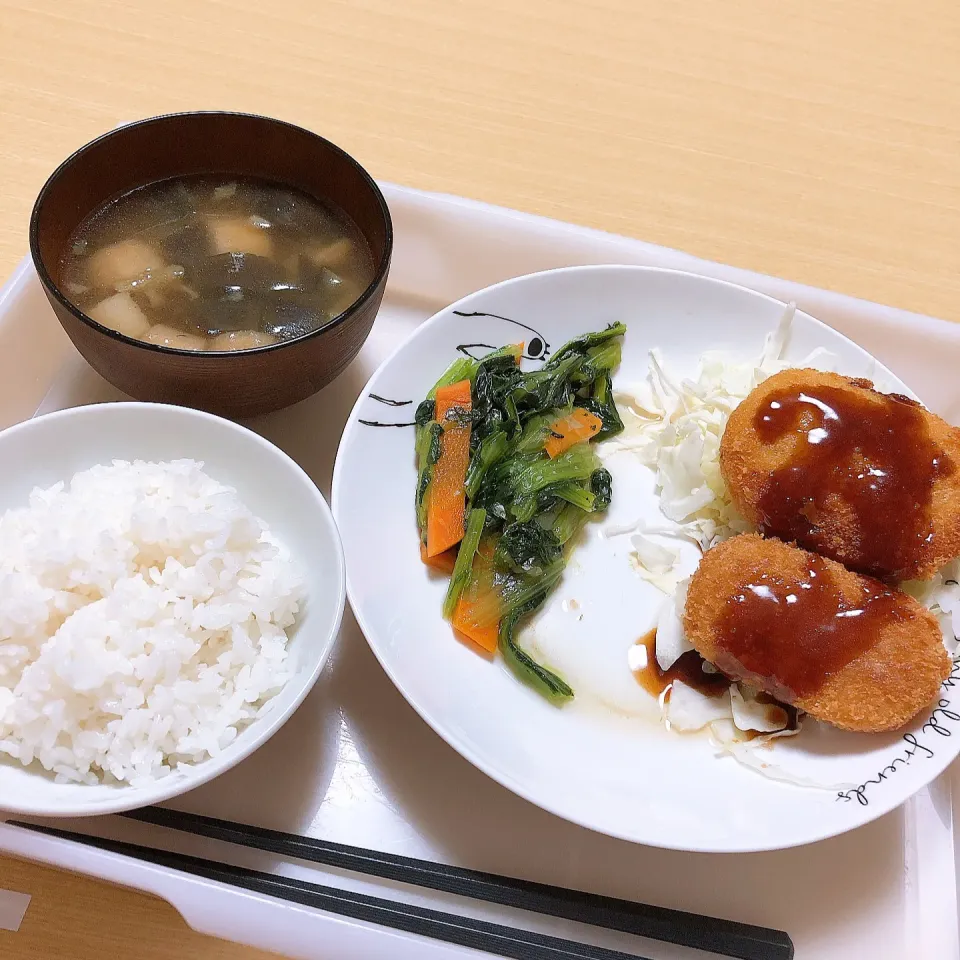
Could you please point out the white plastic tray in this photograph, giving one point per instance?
(356, 765)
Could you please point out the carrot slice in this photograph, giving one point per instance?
(576, 426)
(476, 614)
(442, 561)
(445, 511)
(486, 637)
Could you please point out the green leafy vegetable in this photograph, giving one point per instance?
(535, 432)
(428, 452)
(568, 523)
(426, 412)
(544, 681)
(491, 450)
(581, 345)
(461, 569)
(602, 404)
(523, 508)
(463, 368)
(527, 548)
(547, 388)
(601, 486)
(578, 463)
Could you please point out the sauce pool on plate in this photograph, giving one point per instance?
(688, 668)
(215, 263)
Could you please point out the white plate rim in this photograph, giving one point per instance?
(874, 810)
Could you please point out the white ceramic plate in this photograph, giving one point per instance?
(603, 761)
(52, 448)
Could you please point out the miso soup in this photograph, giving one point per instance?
(216, 263)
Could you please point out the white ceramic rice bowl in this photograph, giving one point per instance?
(48, 449)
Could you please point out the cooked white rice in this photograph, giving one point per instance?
(143, 622)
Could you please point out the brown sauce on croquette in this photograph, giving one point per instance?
(795, 633)
(872, 450)
(688, 668)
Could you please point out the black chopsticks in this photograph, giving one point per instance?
(491, 938)
(723, 937)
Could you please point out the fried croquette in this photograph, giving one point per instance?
(869, 479)
(843, 647)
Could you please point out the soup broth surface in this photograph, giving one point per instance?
(215, 263)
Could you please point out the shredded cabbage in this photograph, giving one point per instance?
(655, 562)
(672, 642)
(688, 710)
(747, 753)
(749, 713)
(675, 430)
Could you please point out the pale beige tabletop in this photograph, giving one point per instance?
(818, 141)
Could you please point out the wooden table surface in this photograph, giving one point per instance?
(818, 141)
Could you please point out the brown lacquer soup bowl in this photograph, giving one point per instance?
(238, 382)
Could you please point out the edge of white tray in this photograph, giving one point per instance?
(933, 845)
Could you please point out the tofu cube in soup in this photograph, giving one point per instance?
(332, 254)
(240, 235)
(165, 336)
(121, 263)
(121, 313)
